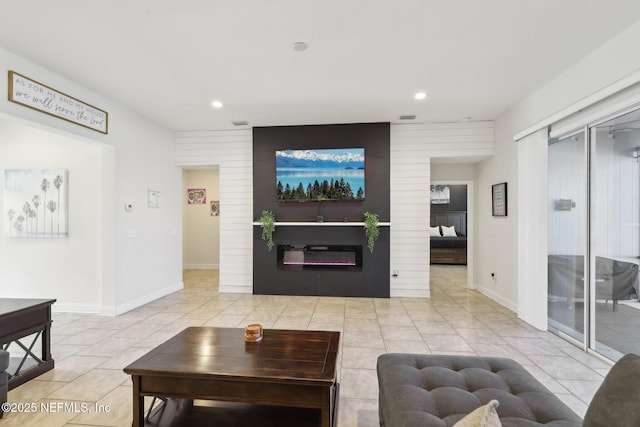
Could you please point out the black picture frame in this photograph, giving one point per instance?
(499, 199)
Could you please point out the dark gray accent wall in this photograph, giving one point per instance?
(373, 280)
(373, 137)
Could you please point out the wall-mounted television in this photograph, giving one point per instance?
(317, 175)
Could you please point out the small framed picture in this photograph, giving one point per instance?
(499, 199)
(215, 208)
(196, 196)
(440, 195)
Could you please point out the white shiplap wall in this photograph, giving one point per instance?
(412, 147)
(232, 151)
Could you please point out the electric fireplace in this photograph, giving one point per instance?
(301, 256)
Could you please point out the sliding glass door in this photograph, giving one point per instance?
(567, 235)
(615, 235)
(594, 236)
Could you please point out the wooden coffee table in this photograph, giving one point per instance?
(288, 368)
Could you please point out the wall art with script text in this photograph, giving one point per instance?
(35, 95)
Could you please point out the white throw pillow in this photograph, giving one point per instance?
(435, 231)
(448, 231)
(484, 416)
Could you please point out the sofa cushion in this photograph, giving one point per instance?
(616, 401)
(439, 390)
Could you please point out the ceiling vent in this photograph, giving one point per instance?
(408, 117)
(240, 123)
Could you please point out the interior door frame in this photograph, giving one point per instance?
(470, 226)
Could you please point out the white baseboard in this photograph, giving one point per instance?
(108, 311)
(410, 293)
(130, 305)
(498, 298)
(112, 310)
(235, 289)
(201, 266)
(74, 308)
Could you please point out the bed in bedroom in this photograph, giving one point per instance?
(449, 237)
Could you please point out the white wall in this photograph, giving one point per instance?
(454, 171)
(150, 265)
(28, 265)
(200, 230)
(499, 237)
(412, 147)
(136, 155)
(605, 66)
(532, 225)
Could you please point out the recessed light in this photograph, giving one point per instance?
(420, 95)
(299, 46)
(217, 104)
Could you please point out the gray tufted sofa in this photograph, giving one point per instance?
(439, 390)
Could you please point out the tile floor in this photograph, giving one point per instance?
(90, 350)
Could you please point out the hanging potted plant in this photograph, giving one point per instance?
(268, 224)
(371, 229)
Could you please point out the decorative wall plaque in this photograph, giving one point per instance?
(499, 199)
(40, 97)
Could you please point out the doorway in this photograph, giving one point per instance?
(201, 218)
(459, 214)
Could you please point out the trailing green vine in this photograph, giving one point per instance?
(268, 224)
(371, 229)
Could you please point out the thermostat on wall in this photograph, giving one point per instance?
(154, 199)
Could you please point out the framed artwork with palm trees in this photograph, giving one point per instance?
(35, 203)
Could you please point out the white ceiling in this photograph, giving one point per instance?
(168, 59)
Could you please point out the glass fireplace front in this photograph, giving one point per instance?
(320, 256)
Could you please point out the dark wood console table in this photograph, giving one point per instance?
(288, 371)
(21, 318)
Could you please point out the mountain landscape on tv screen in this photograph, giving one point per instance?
(320, 159)
(328, 174)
